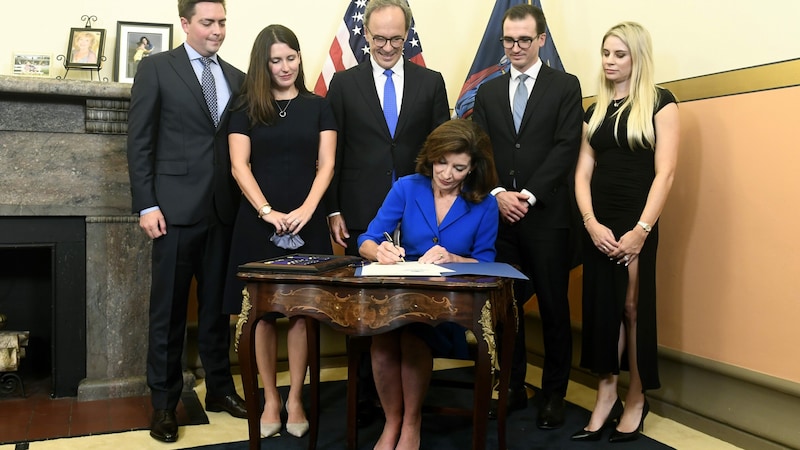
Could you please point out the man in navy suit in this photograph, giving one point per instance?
(369, 154)
(186, 198)
(535, 130)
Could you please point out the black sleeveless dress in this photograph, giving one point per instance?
(620, 184)
(283, 159)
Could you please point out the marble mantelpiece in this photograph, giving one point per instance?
(62, 153)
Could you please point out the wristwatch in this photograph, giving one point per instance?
(264, 210)
(646, 226)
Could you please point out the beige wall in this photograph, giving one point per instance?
(726, 271)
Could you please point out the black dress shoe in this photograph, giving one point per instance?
(517, 399)
(551, 413)
(232, 404)
(620, 436)
(164, 426)
(613, 416)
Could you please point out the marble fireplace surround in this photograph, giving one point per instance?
(62, 154)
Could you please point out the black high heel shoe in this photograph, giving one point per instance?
(619, 436)
(613, 417)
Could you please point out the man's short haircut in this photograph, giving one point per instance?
(186, 8)
(375, 5)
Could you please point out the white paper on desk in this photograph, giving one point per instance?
(403, 269)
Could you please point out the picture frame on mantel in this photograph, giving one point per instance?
(32, 64)
(85, 50)
(136, 41)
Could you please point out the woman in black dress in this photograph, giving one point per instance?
(623, 176)
(282, 146)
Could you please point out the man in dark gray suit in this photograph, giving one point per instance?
(372, 150)
(182, 188)
(533, 116)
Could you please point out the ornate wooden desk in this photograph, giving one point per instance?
(365, 306)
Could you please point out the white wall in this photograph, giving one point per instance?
(691, 37)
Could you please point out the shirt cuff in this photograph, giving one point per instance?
(497, 190)
(148, 210)
(531, 197)
(337, 213)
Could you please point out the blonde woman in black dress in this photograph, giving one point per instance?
(623, 177)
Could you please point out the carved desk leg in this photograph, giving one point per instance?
(246, 327)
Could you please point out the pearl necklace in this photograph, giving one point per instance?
(282, 111)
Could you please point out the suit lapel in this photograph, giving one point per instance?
(366, 87)
(410, 93)
(426, 205)
(506, 113)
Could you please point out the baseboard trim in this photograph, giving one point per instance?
(745, 408)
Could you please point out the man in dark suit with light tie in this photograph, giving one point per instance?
(182, 188)
(533, 116)
(378, 139)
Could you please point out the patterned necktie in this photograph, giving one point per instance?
(520, 100)
(390, 102)
(209, 88)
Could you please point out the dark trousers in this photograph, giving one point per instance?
(543, 255)
(199, 251)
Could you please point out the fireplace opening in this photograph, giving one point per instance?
(43, 290)
(26, 290)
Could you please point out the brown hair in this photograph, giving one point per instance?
(186, 7)
(256, 95)
(519, 12)
(462, 136)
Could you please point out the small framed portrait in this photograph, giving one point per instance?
(136, 41)
(32, 64)
(85, 47)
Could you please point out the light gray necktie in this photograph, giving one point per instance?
(520, 100)
(209, 88)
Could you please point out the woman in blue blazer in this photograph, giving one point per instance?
(446, 214)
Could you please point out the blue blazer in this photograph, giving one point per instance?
(468, 229)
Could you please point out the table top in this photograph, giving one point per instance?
(346, 276)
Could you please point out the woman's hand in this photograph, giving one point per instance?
(630, 244)
(278, 220)
(295, 220)
(436, 255)
(602, 237)
(388, 253)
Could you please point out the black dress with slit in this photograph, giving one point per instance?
(620, 185)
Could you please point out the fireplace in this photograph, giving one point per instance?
(65, 209)
(43, 290)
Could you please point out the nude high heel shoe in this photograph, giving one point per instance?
(272, 428)
(298, 429)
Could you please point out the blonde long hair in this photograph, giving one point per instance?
(642, 97)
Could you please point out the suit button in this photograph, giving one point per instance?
(388, 173)
(517, 146)
(435, 240)
(511, 172)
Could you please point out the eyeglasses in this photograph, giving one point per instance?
(523, 42)
(395, 42)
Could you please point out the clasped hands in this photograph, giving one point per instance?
(624, 250)
(512, 205)
(288, 223)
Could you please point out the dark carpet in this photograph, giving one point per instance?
(442, 432)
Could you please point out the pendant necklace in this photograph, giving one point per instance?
(282, 111)
(616, 102)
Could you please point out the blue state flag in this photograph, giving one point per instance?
(490, 60)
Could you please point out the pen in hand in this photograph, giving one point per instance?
(391, 241)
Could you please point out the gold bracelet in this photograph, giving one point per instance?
(587, 216)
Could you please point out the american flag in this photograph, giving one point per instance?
(350, 47)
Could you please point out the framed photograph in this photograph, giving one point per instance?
(32, 64)
(85, 48)
(136, 41)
